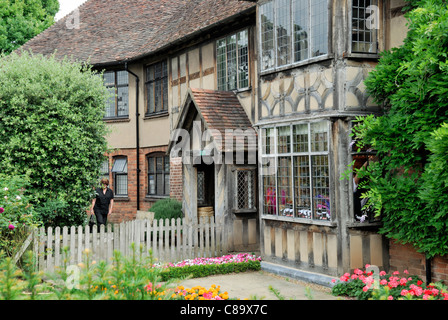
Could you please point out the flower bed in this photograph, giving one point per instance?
(203, 267)
(366, 285)
(125, 279)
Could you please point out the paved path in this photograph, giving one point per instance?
(255, 286)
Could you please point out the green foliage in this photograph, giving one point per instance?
(407, 185)
(52, 131)
(16, 213)
(167, 209)
(21, 20)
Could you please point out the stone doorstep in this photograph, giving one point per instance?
(316, 278)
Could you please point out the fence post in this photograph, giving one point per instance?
(79, 249)
(57, 246)
(212, 236)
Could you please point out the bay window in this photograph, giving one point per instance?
(297, 182)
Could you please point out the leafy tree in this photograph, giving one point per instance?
(408, 185)
(52, 132)
(21, 20)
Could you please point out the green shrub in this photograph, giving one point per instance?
(16, 213)
(52, 130)
(167, 209)
(199, 271)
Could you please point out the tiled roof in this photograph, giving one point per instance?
(118, 30)
(222, 113)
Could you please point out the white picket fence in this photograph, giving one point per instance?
(169, 241)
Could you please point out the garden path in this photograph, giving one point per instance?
(254, 285)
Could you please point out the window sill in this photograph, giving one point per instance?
(155, 115)
(360, 55)
(297, 64)
(325, 223)
(121, 198)
(244, 211)
(116, 120)
(363, 225)
(153, 198)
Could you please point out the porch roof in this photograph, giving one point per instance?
(221, 113)
(110, 32)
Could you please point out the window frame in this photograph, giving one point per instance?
(165, 173)
(292, 42)
(116, 87)
(356, 218)
(123, 173)
(378, 3)
(252, 191)
(225, 86)
(274, 154)
(163, 81)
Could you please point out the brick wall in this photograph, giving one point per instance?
(176, 183)
(404, 257)
(125, 208)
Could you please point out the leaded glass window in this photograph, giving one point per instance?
(157, 88)
(232, 53)
(117, 82)
(292, 31)
(365, 24)
(296, 178)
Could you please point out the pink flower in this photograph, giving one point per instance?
(365, 288)
(395, 273)
(403, 281)
(383, 282)
(333, 280)
(382, 273)
(2, 209)
(11, 227)
(406, 271)
(404, 292)
(390, 298)
(358, 271)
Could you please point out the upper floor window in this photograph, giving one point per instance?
(292, 31)
(157, 88)
(117, 82)
(365, 25)
(233, 61)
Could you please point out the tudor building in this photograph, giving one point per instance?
(287, 74)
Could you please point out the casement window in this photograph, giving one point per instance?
(120, 176)
(233, 61)
(157, 88)
(158, 175)
(292, 31)
(362, 155)
(245, 189)
(104, 170)
(297, 184)
(365, 24)
(117, 82)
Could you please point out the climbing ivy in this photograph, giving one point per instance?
(408, 185)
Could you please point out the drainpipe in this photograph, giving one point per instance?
(137, 129)
(428, 271)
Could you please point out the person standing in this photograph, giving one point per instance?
(103, 203)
